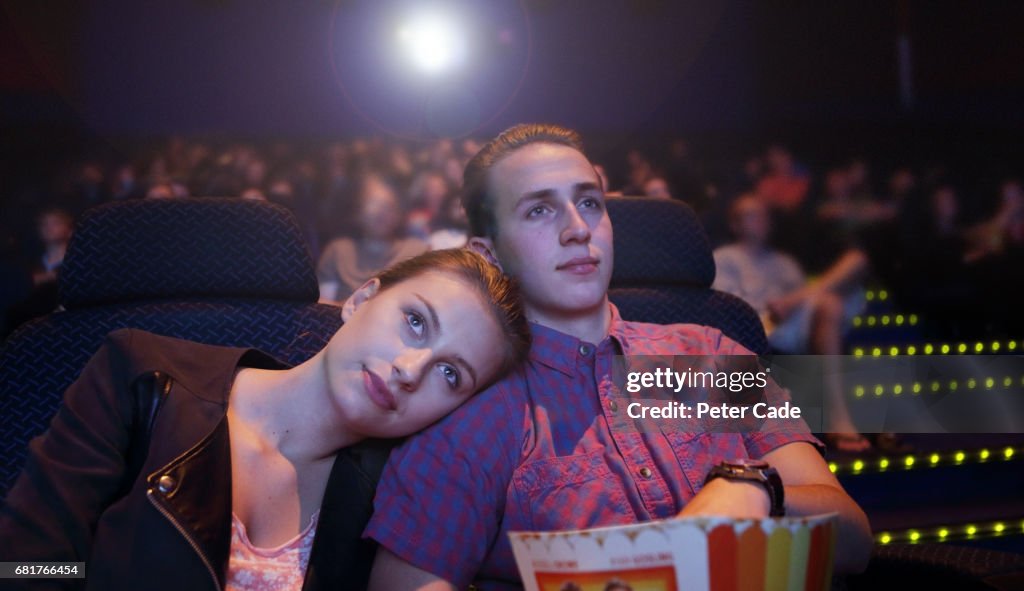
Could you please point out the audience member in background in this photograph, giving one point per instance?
(380, 241)
(452, 225)
(784, 186)
(427, 196)
(53, 228)
(800, 317)
(252, 194)
(685, 176)
(657, 187)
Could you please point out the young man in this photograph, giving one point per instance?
(549, 448)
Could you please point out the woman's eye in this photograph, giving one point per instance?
(452, 375)
(416, 322)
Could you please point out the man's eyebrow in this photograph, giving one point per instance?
(543, 193)
(532, 195)
(432, 312)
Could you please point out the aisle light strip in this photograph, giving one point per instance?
(976, 347)
(910, 461)
(937, 386)
(946, 532)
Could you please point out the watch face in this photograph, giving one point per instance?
(748, 463)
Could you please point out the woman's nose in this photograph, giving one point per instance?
(409, 366)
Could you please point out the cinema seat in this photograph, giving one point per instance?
(219, 271)
(664, 270)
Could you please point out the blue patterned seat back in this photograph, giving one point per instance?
(225, 272)
(664, 270)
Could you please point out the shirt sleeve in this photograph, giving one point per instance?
(74, 470)
(442, 495)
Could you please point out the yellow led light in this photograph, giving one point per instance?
(1007, 382)
(917, 387)
(832, 467)
(1008, 453)
(935, 386)
(871, 320)
(971, 530)
(934, 459)
(912, 319)
(952, 386)
(928, 349)
(959, 457)
(885, 538)
(858, 466)
(911, 350)
(943, 533)
(885, 320)
(858, 352)
(995, 346)
(858, 391)
(894, 351)
(883, 464)
(1011, 345)
(983, 454)
(962, 348)
(899, 320)
(870, 295)
(883, 295)
(876, 352)
(879, 390)
(979, 347)
(857, 321)
(971, 383)
(909, 461)
(945, 349)
(915, 536)
(989, 382)
(999, 527)
(897, 389)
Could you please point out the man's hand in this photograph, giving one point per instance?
(729, 498)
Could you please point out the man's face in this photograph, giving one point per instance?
(553, 231)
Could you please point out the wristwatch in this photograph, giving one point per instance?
(757, 471)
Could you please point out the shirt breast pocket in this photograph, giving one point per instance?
(697, 453)
(571, 492)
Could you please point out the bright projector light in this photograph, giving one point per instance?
(433, 43)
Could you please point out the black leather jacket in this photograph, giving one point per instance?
(133, 477)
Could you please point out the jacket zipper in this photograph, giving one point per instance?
(188, 538)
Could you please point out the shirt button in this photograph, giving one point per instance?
(584, 350)
(612, 406)
(645, 472)
(166, 484)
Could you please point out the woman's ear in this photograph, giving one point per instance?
(484, 247)
(358, 297)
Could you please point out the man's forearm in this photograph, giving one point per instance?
(854, 543)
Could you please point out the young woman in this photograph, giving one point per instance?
(178, 465)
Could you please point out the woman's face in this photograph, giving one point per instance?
(410, 354)
(380, 213)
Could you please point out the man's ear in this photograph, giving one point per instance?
(358, 297)
(485, 247)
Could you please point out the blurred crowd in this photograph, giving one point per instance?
(942, 249)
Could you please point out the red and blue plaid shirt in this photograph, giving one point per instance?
(547, 449)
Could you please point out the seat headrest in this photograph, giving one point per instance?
(659, 242)
(186, 248)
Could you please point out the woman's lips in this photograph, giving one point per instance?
(579, 265)
(378, 391)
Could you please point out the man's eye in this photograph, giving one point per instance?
(416, 322)
(536, 211)
(452, 375)
(590, 203)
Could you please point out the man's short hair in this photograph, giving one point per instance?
(476, 199)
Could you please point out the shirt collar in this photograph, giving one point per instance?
(558, 350)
